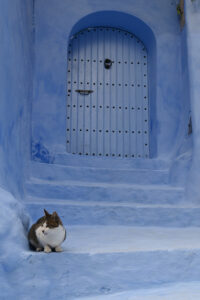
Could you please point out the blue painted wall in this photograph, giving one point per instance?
(15, 92)
(155, 22)
(193, 45)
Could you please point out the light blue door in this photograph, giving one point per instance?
(107, 102)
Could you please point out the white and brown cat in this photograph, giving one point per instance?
(47, 233)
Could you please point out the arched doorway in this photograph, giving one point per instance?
(107, 99)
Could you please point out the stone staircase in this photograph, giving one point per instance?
(103, 180)
(128, 226)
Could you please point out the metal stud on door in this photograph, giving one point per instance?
(107, 94)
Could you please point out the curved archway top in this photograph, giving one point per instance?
(120, 20)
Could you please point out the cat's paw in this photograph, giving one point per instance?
(47, 249)
(58, 249)
(38, 249)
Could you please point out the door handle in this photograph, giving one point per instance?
(84, 92)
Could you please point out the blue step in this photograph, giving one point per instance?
(93, 213)
(101, 274)
(55, 172)
(104, 192)
(135, 258)
(115, 163)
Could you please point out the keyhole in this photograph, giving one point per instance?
(107, 63)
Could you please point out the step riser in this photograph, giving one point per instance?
(93, 193)
(56, 172)
(111, 273)
(98, 162)
(126, 216)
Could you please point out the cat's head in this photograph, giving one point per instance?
(52, 220)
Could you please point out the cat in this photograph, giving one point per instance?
(47, 233)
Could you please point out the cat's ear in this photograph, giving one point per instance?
(55, 214)
(46, 213)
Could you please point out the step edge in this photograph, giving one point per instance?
(166, 170)
(40, 201)
(35, 180)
